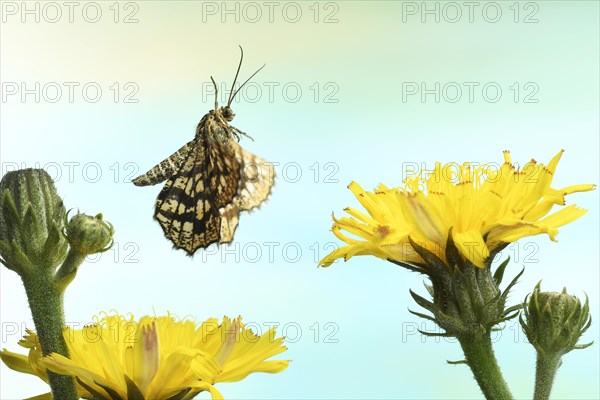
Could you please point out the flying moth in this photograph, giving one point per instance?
(210, 180)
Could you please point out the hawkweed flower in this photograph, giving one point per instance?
(449, 223)
(485, 207)
(154, 358)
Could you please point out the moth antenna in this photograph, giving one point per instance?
(236, 76)
(216, 93)
(247, 80)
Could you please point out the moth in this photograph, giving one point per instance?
(210, 180)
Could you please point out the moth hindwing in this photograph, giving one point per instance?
(209, 181)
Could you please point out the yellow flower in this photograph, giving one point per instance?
(484, 207)
(154, 358)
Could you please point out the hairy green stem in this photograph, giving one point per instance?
(46, 303)
(480, 358)
(546, 367)
(67, 271)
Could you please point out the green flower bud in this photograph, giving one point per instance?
(89, 235)
(32, 218)
(554, 322)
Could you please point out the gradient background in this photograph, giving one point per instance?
(367, 345)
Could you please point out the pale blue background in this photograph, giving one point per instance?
(367, 135)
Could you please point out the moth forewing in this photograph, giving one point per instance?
(166, 168)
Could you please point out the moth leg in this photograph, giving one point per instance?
(239, 132)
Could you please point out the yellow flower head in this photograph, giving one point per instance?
(483, 207)
(153, 358)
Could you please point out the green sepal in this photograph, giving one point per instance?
(181, 395)
(434, 334)
(449, 323)
(507, 318)
(452, 253)
(583, 346)
(426, 304)
(516, 307)
(424, 316)
(466, 293)
(31, 229)
(409, 266)
(457, 362)
(429, 289)
(95, 394)
(499, 273)
(111, 392)
(133, 392)
(11, 220)
(55, 248)
(435, 266)
(15, 259)
(512, 283)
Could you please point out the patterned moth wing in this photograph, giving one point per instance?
(166, 168)
(209, 181)
(257, 179)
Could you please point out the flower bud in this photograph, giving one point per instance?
(32, 218)
(89, 235)
(554, 321)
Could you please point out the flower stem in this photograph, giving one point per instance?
(46, 303)
(67, 271)
(480, 358)
(546, 367)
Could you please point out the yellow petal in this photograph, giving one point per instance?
(563, 216)
(554, 162)
(511, 232)
(471, 246)
(272, 367)
(205, 386)
(16, 362)
(539, 210)
(578, 188)
(45, 396)
(334, 255)
(64, 366)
